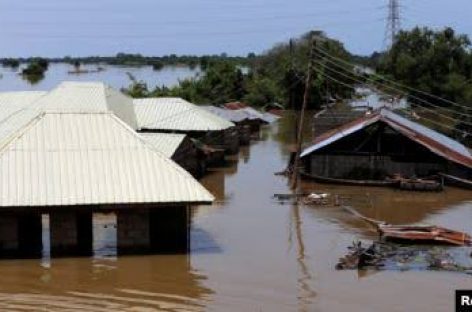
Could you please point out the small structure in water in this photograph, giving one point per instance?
(247, 119)
(175, 115)
(369, 150)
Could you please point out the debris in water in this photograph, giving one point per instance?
(417, 233)
(316, 199)
(388, 256)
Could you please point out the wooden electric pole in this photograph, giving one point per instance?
(296, 162)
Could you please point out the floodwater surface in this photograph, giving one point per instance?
(252, 253)
(115, 76)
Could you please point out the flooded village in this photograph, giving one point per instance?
(148, 165)
(92, 173)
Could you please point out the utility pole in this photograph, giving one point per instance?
(393, 23)
(311, 64)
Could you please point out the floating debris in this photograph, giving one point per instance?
(388, 256)
(417, 233)
(317, 199)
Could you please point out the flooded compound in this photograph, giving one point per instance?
(250, 252)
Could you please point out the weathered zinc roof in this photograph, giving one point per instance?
(175, 114)
(228, 114)
(60, 159)
(15, 102)
(432, 140)
(166, 143)
(88, 97)
(239, 115)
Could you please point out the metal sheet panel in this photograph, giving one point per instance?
(175, 114)
(61, 159)
(166, 143)
(15, 102)
(433, 140)
(88, 97)
(336, 134)
(231, 115)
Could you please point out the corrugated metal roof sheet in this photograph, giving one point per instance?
(239, 115)
(228, 114)
(67, 97)
(72, 96)
(175, 114)
(166, 143)
(432, 140)
(15, 102)
(60, 159)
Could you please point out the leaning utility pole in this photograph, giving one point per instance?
(311, 64)
(393, 23)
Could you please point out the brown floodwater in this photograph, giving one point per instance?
(251, 253)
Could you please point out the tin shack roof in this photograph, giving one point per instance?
(63, 159)
(176, 114)
(231, 115)
(432, 140)
(166, 143)
(241, 114)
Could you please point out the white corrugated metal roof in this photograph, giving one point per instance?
(228, 114)
(89, 158)
(175, 114)
(166, 143)
(66, 97)
(15, 102)
(238, 115)
(73, 96)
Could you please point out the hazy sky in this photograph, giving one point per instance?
(157, 27)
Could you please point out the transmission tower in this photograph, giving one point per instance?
(393, 23)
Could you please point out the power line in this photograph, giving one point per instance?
(362, 79)
(428, 109)
(324, 74)
(339, 60)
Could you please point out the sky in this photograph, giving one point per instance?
(52, 28)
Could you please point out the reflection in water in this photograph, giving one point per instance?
(307, 294)
(159, 282)
(392, 206)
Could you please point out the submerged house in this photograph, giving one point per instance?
(384, 144)
(240, 119)
(175, 115)
(73, 152)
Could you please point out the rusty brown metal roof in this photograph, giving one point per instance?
(432, 140)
